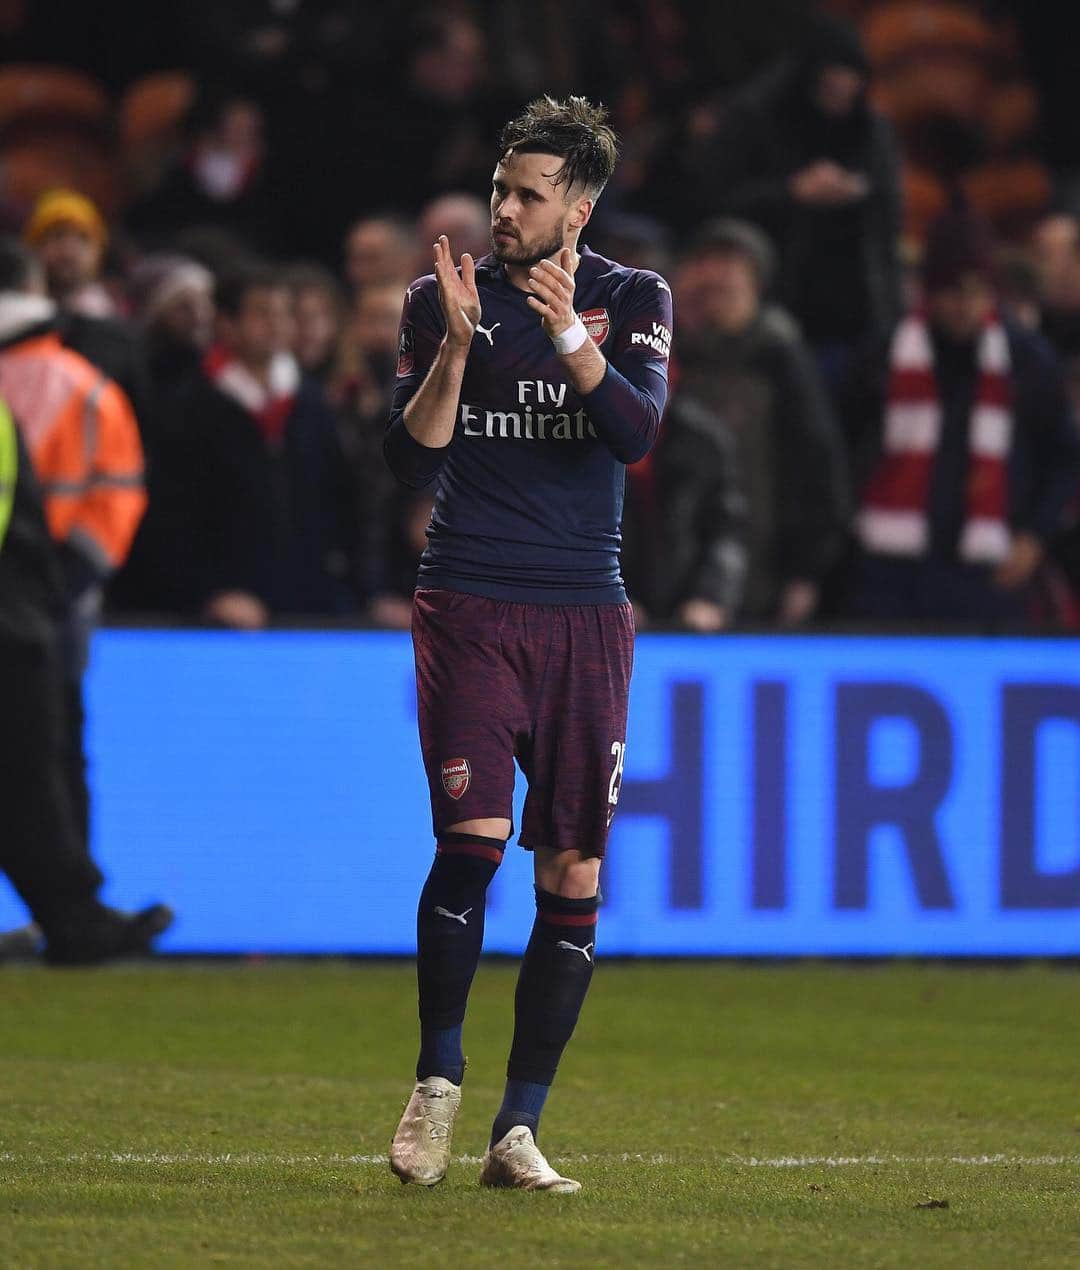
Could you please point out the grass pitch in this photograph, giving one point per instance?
(238, 1114)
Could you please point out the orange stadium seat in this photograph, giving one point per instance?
(894, 33)
(150, 119)
(1011, 114)
(30, 93)
(154, 106)
(938, 83)
(55, 129)
(32, 167)
(1013, 193)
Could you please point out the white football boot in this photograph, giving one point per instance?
(420, 1151)
(516, 1161)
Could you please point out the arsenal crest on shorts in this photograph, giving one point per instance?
(455, 776)
(597, 324)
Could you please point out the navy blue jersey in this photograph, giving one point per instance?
(530, 488)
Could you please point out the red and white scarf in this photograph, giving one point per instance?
(894, 518)
(269, 403)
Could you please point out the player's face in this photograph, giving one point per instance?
(530, 217)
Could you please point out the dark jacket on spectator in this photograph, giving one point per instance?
(175, 367)
(116, 349)
(839, 271)
(684, 514)
(231, 510)
(764, 391)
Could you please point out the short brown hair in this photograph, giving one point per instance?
(575, 130)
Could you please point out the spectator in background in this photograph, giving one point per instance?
(43, 850)
(408, 515)
(173, 304)
(84, 443)
(639, 242)
(388, 513)
(975, 454)
(68, 234)
(464, 218)
(378, 249)
(220, 181)
(1055, 244)
(319, 312)
(684, 519)
(252, 512)
(367, 353)
(1018, 288)
(802, 154)
(172, 298)
(1055, 256)
(743, 371)
(435, 133)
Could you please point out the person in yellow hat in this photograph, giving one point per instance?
(67, 232)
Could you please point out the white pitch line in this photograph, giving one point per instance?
(259, 1159)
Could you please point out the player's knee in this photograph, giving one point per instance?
(461, 872)
(567, 873)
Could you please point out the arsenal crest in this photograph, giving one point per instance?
(455, 776)
(597, 323)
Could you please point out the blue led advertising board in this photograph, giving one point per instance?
(782, 795)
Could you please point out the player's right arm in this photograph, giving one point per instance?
(422, 427)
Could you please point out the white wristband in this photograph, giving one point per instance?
(570, 340)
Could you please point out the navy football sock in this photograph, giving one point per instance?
(441, 1053)
(449, 937)
(522, 1103)
(554, 978)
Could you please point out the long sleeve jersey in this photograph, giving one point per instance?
(530, 489)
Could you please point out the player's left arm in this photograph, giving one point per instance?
(626, 401)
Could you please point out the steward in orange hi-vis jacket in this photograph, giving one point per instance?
(83, 441)
(42, 851)
(84, 447)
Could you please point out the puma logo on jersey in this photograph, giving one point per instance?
(565, 943)
(457, 917)
(488, 332)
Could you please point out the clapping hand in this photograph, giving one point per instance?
(457, 294)
(552, 296)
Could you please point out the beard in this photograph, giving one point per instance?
(527, 254)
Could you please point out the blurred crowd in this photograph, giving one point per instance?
(876, 366)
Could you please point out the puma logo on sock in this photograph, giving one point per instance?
(565, 943)
(457, 917)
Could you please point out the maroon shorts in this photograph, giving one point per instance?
(543, 683)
